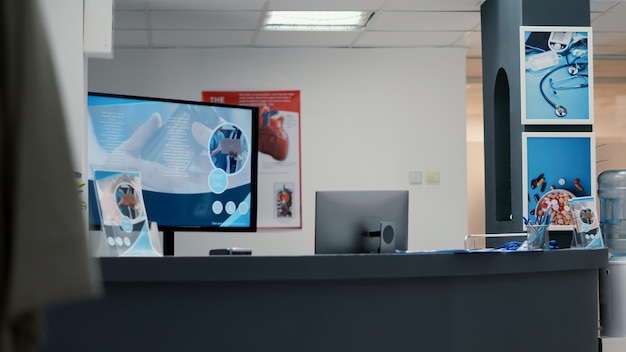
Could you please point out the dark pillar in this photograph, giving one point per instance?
(500, 22)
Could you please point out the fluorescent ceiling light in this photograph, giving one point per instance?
(316, 20)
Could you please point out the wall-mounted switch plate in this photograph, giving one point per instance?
(415, 177)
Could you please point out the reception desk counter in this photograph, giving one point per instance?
(445, 301)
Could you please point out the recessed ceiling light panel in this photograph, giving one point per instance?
(316, 20)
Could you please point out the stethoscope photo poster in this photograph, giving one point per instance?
(556, 75)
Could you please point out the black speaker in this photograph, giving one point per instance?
(387, 237)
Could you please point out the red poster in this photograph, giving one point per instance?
(279, 192)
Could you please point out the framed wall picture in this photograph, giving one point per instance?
(556, 75)
(555, 168)
(279, 170)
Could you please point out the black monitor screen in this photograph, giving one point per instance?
(349, 221)
(197, 161)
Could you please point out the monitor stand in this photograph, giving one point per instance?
(168, 243)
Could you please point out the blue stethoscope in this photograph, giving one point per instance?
(575, 80)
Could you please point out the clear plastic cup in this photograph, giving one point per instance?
(538, 236)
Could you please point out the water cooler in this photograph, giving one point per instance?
(612, 195)
(612, 199)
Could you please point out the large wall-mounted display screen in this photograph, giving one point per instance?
(197, 160)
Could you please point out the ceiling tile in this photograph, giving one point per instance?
(595, 16)
(425, 21)
(211, 20)
(610, 22)
(305, 39)
(130, 19)
(129, 5)
(196, 39)
(618, 6)
(130, 38)
(439, 5)
(601, 6)
(221, 5)
(334, 5)
(407, 39)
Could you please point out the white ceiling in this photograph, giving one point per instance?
(396, 24)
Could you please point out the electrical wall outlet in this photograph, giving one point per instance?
(432, 178)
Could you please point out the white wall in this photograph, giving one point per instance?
(368, 117)
(64, 21)
(475, 187)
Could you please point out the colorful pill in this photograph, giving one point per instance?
(536, 197)
(532, 212)
(540, 180)
(533, 184)
(552, 187)
(562, 181)
(579, 187)
(543, 187)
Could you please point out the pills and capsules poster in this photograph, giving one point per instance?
(278, 176)
(556, 167)
(556, 75)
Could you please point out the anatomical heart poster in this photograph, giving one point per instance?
(279, 190)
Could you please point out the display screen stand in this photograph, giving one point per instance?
(168, 243)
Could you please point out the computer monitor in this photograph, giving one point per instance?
(359, 221)
(190, 181)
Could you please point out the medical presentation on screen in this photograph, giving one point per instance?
(278, 152)
(194, 158)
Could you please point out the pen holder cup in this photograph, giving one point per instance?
(538, 236)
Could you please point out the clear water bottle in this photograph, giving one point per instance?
(612, 196)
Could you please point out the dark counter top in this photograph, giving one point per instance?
(346, 266)
(444, 301)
